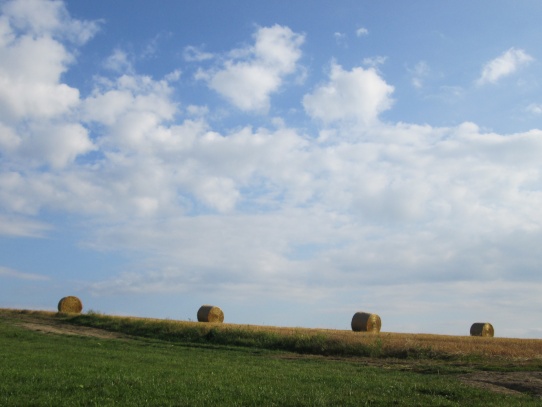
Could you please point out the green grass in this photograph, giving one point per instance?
(38, 369)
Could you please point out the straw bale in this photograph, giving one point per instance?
(366, 322)
(70, 305)
(482, 329)
(210, 313)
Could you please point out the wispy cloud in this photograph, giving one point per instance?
(6, 272)
(340, 38)
(419, 73)
(504, 65)
(20, 226)
(196, 54)
(374, 61)
(119, 62)
(535, 108)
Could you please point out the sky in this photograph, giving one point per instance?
(290, 162)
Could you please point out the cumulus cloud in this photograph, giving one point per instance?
(133, 95)
(34, 102)
(33, 90)
(252, 74)
(54, 144)
(42, 18)
(359, 95)
(504, 65)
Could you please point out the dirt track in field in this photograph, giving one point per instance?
(506, 382)
(51, 326)
(522, 382)
(66, 329)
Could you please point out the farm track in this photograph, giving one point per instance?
(518, 381)
(52, 326)
(506, 382)
(66, 329)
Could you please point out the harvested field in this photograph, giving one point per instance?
(388, 344)
(396, 343)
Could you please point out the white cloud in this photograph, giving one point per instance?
(197, 111)
(535, 108)
(56, 145)
(418, 73)
(6, 272)
(28, 89)
(340, 38)
(132, 107)
(504, 65)
(217, 192)
(42, 18)
(21, 227)
(195, 54)
(9, 140)
(359, 94)
(360, 32)
(247, 86)
(249, 78)
(374, 61)
(332, 213)
(119, 62)
(34, 102)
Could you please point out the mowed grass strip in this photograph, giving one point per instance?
(59, 370)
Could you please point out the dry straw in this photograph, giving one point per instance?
(70, 305)
(482, 329)
(365, 322)
(210, 313)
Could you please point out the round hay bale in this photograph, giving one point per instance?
(482, 329)
(365, 322)
(70, 305)
(210, 313)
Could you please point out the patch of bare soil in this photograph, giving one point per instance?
(506, 382)
(66, 329)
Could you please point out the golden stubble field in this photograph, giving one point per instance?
(393, 342)
(512, 348)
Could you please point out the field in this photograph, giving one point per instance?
(92, 359)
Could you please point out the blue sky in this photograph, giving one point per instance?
(290, 162)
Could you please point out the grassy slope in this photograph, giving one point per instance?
(40, 369)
